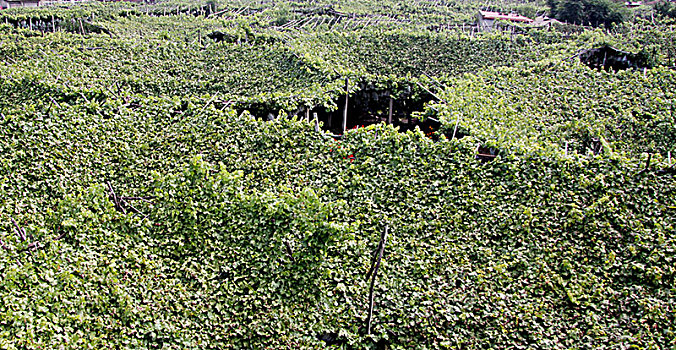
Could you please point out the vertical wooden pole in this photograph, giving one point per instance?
(457, 122)
(381, 248)
(669, 157)
(307, 115)
(81, 27)
(53, 25)
(347, 95)
(316, 121)
(389, 114)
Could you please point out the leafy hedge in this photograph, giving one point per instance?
(569, 106)
(141, 209)
(265, 238)
(377, 52)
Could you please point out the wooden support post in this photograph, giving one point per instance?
(389, 114)
(457, 122)
(307, 115)
(381, 248)
(347, 95)
(314, 115)
(669, 157)
(30, 23)
(81, 27)
(53, 25)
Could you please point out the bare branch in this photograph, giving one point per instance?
(115, 199)
(381, 248)
(289, 251)
(144, 199)
(133, 209)
(19, 230)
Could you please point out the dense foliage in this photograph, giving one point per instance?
(146, 204)
(207, 259)
(666, 9)
(553, 108)
(589, 12)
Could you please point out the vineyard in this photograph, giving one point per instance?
(344, 174)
